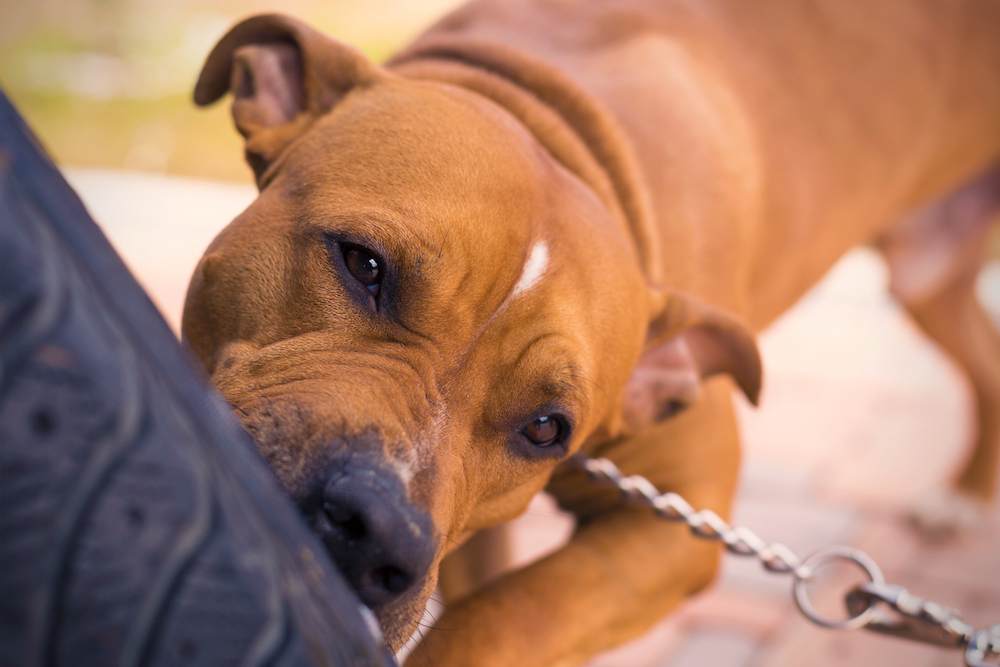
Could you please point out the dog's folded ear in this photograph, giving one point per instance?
(687, 342)
(283, 75)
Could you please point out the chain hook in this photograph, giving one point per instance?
(984, 644)
(916, 618)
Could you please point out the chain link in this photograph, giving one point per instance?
(873, 605)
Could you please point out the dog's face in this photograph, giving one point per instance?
(421, 315)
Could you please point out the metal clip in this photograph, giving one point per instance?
(985, 643)
(917, 619)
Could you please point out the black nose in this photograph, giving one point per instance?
(379, 540)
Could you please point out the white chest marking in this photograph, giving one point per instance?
(533, 270)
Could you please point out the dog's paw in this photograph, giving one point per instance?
(946, 514)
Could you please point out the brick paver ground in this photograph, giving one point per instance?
(859, 416)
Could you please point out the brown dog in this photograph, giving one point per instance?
(538, 231)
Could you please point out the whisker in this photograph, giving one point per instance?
(421, 645)
(416, 657)
(444, 631)
(264, 397)
(238, 408)
(439, 600)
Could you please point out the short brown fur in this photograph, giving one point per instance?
(691, 168)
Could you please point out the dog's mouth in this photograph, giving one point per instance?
(356, 502)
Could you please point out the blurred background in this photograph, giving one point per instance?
(107, 83)
(107, 86)
(860, 416)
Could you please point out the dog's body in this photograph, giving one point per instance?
(535, 233)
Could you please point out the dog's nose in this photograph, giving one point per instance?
(379, 540)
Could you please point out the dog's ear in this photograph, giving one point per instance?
(283, 75)
(687, 342)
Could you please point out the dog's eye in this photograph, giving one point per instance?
(544, 431)
(364, 267)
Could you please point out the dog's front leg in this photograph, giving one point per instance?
(623, 569)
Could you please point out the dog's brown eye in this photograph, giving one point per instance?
(544, 431)
(364, 267)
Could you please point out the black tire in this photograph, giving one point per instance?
(137, 524)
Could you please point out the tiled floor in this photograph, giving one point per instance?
(859, 416)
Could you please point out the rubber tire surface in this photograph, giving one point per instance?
(137, 524)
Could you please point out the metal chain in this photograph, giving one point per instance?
(868, 604)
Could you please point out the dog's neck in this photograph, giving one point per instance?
(576, 130)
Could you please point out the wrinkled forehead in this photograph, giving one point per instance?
(488, 235)
(581, 285)
(429, 169)
(434, 155)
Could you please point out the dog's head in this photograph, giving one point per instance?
(423, 313)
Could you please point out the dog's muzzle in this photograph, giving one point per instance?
(381, 542)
